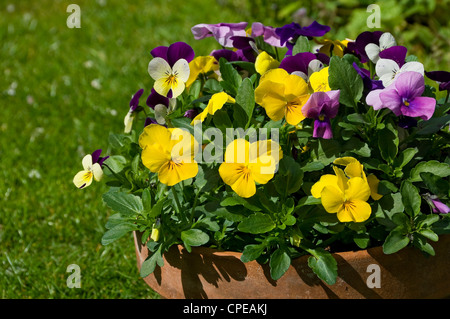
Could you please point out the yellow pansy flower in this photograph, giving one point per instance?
(346, 183)
(216, 102)
(319, 81)
(282, 95)
(201, 65)
(169, 153)
(264, 62)
(249, 163)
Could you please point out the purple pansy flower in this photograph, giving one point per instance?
(149, 121)
(245, 48)
(174, 52)
(403, 97)
(441, 77)
(322, 107)
(289, 33)
(222, 32)
(134, 102)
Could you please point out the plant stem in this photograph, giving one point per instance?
(194, 205)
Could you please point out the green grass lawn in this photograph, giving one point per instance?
(62, 92)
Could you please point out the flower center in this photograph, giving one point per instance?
(405, 102)
(171, 79)
(348, 204)
(321, 117)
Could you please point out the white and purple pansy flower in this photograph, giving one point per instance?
(134, 105)
(92, 169)
(161, 105)
(322, 107)
(392, 63)
(373, 50)
(222, 32)
(170, 68)
(404, 97)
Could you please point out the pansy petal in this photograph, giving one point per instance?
(154, 134)
(154, 157)
(97, 171)
(158, 68)
(325, 180)
(83, 179)
(387, 40)
(391, 100)
(421, 106)
(178, 51)
(413, 66)
(181, 70)
(358, 188)
(160, 114)
(172, 173)
(322, 129)
(355, 211)
(373, 182)
(373, 52)
(244, 186)
(410, 84)
(332, 199)
(177, 89)
(87, 162)
(395, 53)
(294, 113)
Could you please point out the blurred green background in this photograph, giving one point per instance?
(63, 90)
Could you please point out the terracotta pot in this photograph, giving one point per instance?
(208, 273)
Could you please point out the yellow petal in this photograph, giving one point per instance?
(319, 81)
(274, 104)
(332, 199)
(200, 117)
(217, 101)
(325, 180)
(355, 169)
(239, 178)
(263, 171)
(83, 179)
(275, 75)
(295, 87)
(354, 211)
(201, 64)
(373, 184)
(154, 156)
(172, 173)
(155, 134)
(238, 152)
(342, 178)
(358, 189)
(264, 62)
(294, 113)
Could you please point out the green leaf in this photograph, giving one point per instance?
(435, 184)
(257, 223)
(236, 200)
(428, 233)
(405, 157)
(194, 237)
(395, 241)
(117, 232)
(246, 98)
(183, 123)
(251, 252)
(290, 176)
(157, 208)
(123, 203)
(229, 75)
(323, 264)
(149, 265)
(279, 263)
(362, 240)
(343, 77)
(116, 163)
(435, 167)
(388, 143)
(433, 125)
(411, 198)
(302, 45)
(147, 200)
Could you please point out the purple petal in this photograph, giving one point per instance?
(268, 33)
(155, 98)
(410, 84)
(323, 129)
(391, 100)
(149, 121)
(439, 76)
(440, 207)
(421, 106)
(396, 53)
(331, 105)
(191, 114)
(101, 160)
(201, 31)
(298, 62)
(444, 86)
(228, 55)
(287, 31)
(373, 99)
(179, 50)
(96, 155)
(322, 57)
(134, 103)
(160, 52)
(315, 29)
